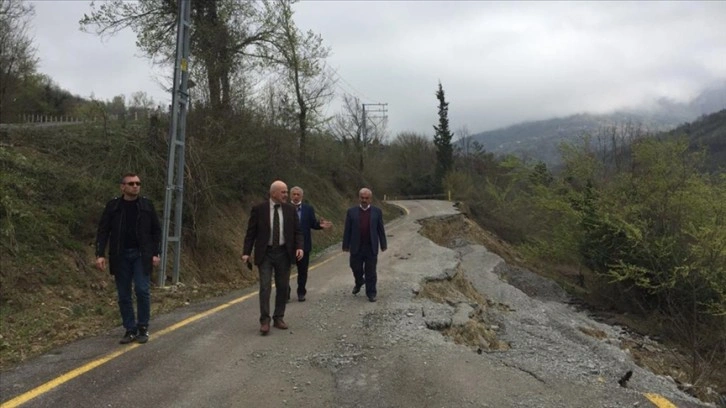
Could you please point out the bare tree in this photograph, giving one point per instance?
(223, 34)
(301, 60)
(17, 54)
(353, 131)
(142, 100)
(348, 128)
(465, 141)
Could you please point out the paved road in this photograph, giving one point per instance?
(340, 351)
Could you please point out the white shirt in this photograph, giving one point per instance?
(279, 212)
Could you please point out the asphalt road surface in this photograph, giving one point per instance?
(343, 351)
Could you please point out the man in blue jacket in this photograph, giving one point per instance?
(308, 222)
(364, 233)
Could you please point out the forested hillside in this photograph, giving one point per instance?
(540, 140)
(709, 133)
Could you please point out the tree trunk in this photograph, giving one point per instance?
(215, 47)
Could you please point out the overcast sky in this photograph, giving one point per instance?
(500, 63)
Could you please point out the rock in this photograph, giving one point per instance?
(437, 317)
(462, 315)
(483, 344)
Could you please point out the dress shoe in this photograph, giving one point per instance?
(265, 328)
(280, 324)
(371, 298)
(301, 298)
(356, 289)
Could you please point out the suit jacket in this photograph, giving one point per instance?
(351, 235)
(258, 231)
(308, 222)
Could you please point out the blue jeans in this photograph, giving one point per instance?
(131, 270)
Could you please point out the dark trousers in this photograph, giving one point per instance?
(132, 271)
(276, 263)
(363, 263)
(302, 274)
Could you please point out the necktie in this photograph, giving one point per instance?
(276, 227)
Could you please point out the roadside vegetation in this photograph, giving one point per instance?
(632, 224)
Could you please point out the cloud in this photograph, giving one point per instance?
(505, 62)
(500, 62)
(85, 64)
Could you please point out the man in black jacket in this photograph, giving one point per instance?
(130, 227)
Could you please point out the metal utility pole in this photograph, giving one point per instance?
(177, 130)
(378, 108)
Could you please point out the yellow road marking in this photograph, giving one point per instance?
(659, 401)
(64, 378)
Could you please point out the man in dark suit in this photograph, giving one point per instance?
(274, 231)
(308, 222)
(363, 234)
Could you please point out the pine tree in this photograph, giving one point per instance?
(442, 138)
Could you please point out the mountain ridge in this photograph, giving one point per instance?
(540, 140)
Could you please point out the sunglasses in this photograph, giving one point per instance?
(133, 183)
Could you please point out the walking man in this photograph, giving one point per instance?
(130, 227)
(363, 234)
(308, 222)
(274, 231)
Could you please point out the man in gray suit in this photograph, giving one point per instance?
(364, 233)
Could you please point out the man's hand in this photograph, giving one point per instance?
(245, 258)
(325, 224)
(101, 263)
(299, 254)
(155, 260)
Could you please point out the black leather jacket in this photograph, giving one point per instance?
(111, 231)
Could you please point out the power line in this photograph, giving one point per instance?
(356, 91)
(381, 108)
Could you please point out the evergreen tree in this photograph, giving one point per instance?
(442, 138)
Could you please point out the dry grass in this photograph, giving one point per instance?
(452, 291)
(475, 334)
(65, 314)
(596, 333)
